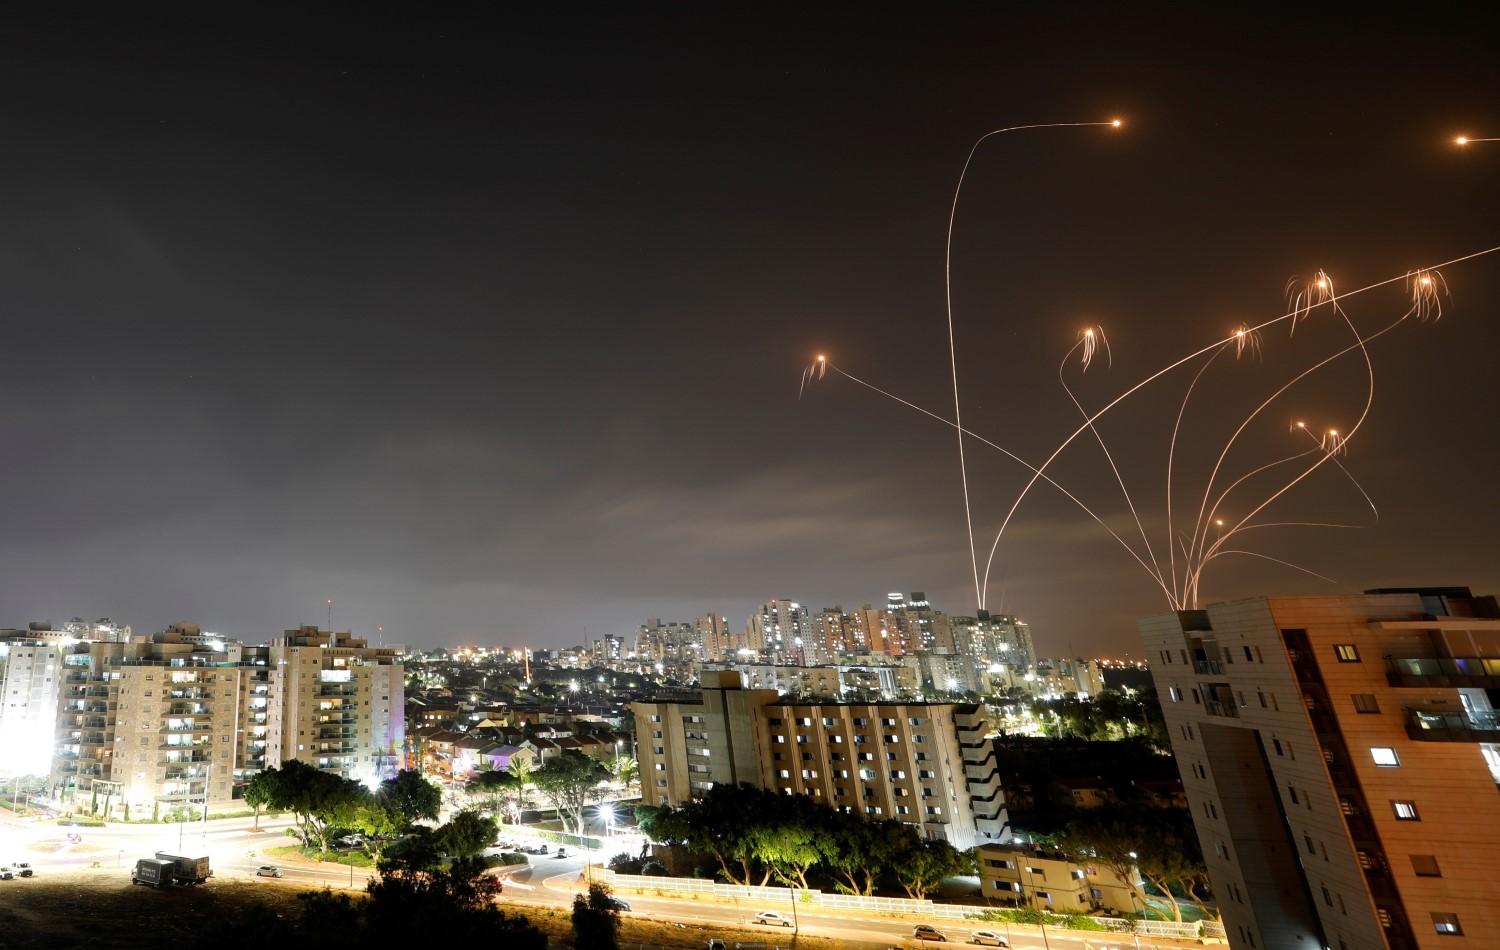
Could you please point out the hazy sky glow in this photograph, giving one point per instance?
(492, 330)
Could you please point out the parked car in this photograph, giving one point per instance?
(927, 932)
(542, 849)
(562, 853)
(772, 919)
(6, 873)
(988, 938)
(22, 869)
(268, 870)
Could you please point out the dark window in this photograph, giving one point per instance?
(1291, 791)
(1425, 865)
(1366, 703)
(1248, 655)
(1346, 652)
(1276, 743)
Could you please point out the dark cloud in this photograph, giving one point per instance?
(492, 329)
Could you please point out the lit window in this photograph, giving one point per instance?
(1346, 652)
(1406, 810)
(1447, 924)
(1385, 757)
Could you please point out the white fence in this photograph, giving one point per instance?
(773, 897)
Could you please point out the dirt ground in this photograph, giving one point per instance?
(98, 909)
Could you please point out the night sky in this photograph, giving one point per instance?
(492, 330)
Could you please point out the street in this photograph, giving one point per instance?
(236, 849)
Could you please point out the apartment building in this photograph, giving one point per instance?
(875, 680)
(31, 673)
(927, 764)
(149, 724)
(337, 704)
(1341, 756)
(1022, 876)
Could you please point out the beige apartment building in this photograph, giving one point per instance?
(183, 717)
(154, 723)
(1341, 759)
(338, 704)
(1048, 880)
(930, 765)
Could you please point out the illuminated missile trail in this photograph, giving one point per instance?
(958, 417)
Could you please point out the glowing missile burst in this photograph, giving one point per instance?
(1334, 444)
(1246, 339)
(1302, 300)
(1091, 339)
(1427, 288)
(816, 370)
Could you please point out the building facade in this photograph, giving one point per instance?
(1340, 756)
(929, 765)
(1048, 880)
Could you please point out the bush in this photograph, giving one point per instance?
(654, 869)
(507, 858)
(82, 822)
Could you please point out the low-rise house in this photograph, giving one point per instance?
(1016, 875)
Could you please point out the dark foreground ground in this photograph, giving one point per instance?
(100, 910)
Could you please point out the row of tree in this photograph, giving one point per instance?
(570, 782)
(756, 836)
(1161, 842)
(324, 805)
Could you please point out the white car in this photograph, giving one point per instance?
(988, 938)
(268, 870)
(6, 873)
(772, 919)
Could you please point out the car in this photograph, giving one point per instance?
(268, 870)
(772, 919)
(715, 943)
(542, 849)
(618, 904)
(927, 932)
(22, 869)
(988, 938)
(74, 837)
(6, 873)
(561, 853)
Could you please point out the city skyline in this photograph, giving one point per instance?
(371, 313)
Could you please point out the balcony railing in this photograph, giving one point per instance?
(1216, 708)
(1427, 726)
(1443, 671)
(1208, 667)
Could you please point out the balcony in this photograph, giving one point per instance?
(1441, 672)
(1208, 667)
(1426, 726)
(1227, 710)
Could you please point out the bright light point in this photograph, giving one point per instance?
(1302, 425)
(1426, 280)
(1333, 432)
(1115, 123)
(1461, 140)
(822, 358)
(1219, 522)
(1239, 333)
(1322, 283)
(1088, 332)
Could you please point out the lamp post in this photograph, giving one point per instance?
(1131, 884)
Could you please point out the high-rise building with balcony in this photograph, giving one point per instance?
(31, 674)
(1341, 757)
(929, 765)
(336, 703)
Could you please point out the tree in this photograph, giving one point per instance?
(1113, 835)
(411, 797)
(859, 851)
(260, 791)
(627, 770)
(596, 920)
(788, 836)
(920, 866)
(496, 792)
(569, 781)
(525, 776)
(318, 800)
(467, 834)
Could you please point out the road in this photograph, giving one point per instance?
(235, 848)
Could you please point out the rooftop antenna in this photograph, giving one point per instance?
(381, 631)
(330, 615)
